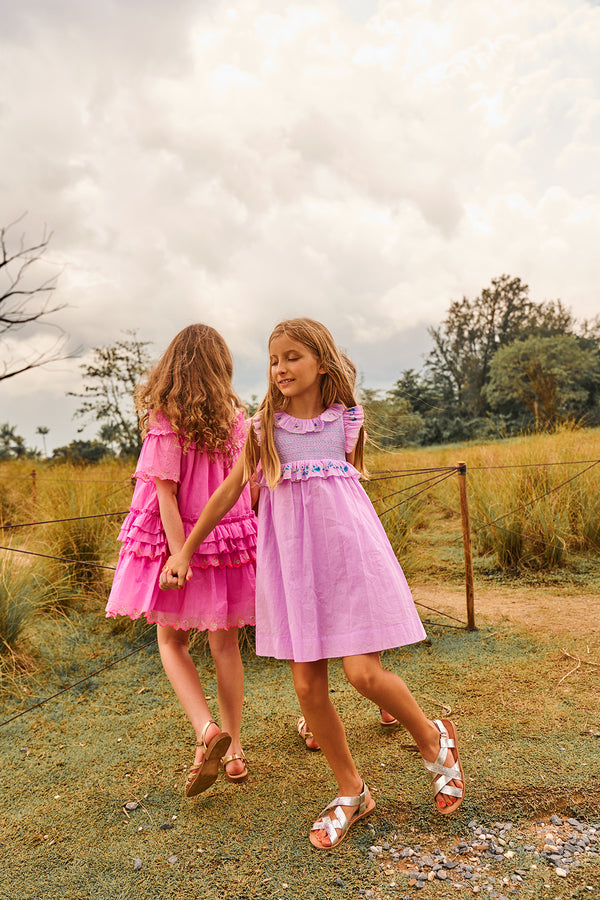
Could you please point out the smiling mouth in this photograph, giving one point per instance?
(285, 381)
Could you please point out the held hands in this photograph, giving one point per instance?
(176, 573)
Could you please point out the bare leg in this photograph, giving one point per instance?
(389, 692)
(312, 689)
(185, 681)
(225, 651)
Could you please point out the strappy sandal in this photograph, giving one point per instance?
(388, 723)
(202, 775)
(305, 733)
(238, 777)
(332, 821)
(442, 775)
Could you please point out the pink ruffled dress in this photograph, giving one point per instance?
(328, 581)
(221, 591)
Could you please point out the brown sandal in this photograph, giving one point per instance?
(202, 775)
(239, 777)
(389, 723)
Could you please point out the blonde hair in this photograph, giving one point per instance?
(191, 386)
(337, 386)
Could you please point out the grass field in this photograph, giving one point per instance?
(523, 690)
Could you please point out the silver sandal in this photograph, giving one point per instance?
(442, 775)
(332, 821)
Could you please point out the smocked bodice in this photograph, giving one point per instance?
(309, 448)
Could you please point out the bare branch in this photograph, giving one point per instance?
(24, 301)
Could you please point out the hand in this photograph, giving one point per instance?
(175, 574)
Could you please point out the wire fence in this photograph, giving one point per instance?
(433, 476)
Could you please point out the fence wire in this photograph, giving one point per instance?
(436, 475)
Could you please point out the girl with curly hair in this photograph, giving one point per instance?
(194, 430)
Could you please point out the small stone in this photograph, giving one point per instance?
(450, 865)
(406, 852)
(375, 849)
(441, 874)
(427, 861)
(133, 804)
(166, 825)
(562, 873)
(172, 860)
(509, 854)
(137, 864)
(555, 820)
(386, 846)
(431, 876)
(338, 882)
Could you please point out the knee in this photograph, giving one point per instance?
(363, 678)
(169, 638)
(306, 691)
(224, 644)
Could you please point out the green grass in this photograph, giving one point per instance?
(70, 766)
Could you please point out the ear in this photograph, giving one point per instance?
(322, 370)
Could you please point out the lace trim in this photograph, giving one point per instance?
(180, 622)
(302, 470)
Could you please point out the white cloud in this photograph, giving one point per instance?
(363, 163)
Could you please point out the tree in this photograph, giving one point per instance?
(25, 299)
(389, 420)
(80, 452)
(43, 430)
(474, 330)
(12, 445)
(107, 395)
(548, 375)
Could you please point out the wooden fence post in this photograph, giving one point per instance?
(34, 485)
(466, 530)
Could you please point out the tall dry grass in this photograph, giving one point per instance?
(534, 500)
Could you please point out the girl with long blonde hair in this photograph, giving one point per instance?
(329, 584)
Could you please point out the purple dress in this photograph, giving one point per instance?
(328, 581)
(221, 591)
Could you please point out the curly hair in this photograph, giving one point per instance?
(337, 386)
(191, 386)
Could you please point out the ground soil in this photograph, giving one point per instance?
(567, 612)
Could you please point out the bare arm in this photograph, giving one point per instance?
(170, 516)
(177, 568)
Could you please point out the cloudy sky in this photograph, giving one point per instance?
(357, 161)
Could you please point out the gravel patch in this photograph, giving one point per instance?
(561, 844)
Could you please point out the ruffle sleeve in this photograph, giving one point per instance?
(160, 456)
(353, 420)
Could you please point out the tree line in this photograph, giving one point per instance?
(499, 364)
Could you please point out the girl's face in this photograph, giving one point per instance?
(294, 368)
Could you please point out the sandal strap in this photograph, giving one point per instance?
(445, 774)
(331, 821)
(303, 730)
(202, 742)
(232, 756)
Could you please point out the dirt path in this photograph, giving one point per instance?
(568, 613)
